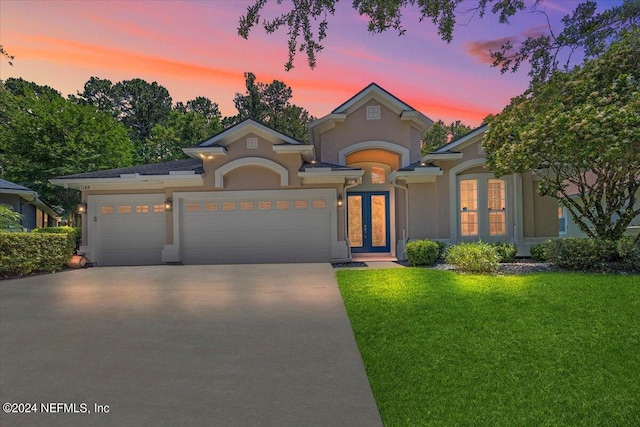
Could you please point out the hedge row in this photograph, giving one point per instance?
(574, 253)
(26, 253)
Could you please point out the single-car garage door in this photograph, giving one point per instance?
(250, 227)
(127, 229)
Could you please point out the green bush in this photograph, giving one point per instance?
(423, 252)
(475, 257)
(506, 251)
(75, 231)
(26, 253)
(581, 253)
(540, 251)
(629, 252)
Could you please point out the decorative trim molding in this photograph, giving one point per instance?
(251, 161)
(384, 145)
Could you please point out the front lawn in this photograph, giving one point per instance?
(542, 349)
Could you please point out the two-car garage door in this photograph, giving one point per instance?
(213, 227)
(254, 227)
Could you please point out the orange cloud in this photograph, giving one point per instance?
(481, 49)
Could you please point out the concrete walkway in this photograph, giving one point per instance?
(242, 345)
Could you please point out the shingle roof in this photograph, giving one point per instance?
(308, 166)
(417, 165)
(149, 169)
(8, 185)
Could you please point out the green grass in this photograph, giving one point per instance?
(543, 349)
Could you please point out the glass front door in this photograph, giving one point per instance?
(368, 218)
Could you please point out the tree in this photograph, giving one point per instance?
(579, 133)
(439, 134)
(182, 129)
(139, 105)
(42, 136)
(9, 219)
(270, 104)
(8, 57)
(307, 22)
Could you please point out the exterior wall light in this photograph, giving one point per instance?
(82, 207)
(168, 204)
(339, 200)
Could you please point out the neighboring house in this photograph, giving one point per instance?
(252, 194)
(35, 213)
(567, 227)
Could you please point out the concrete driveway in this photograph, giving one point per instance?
(245, 345)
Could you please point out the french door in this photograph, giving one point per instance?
(368, 221)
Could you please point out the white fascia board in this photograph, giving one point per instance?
(420, 175)
(418, 119)
(441, 156)
(28, 195)
(141, 181)
(465, 140)
(201, 153)
(328, 177)
(236, 132)
(304, 149)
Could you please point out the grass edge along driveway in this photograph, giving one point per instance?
(442, 348)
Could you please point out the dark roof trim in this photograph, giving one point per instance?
(149, 169)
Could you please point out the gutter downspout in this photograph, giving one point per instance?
(406, 211)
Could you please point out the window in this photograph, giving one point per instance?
(246, 206)
(193, 207)
(469, 207)
(373, 112)
(264, 206)
(301, 204)
(229, 206)
(282, 205)
(482, 206)
(378, 175)
(158, 208)
(210, 207)
(142, 208)
(562, 220)
(319, 204)
(124, 209)
(106, 210)
(497, 207)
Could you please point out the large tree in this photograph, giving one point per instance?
(440, 133)
(42, 136)
(270, 104)
(185, 127)
(580, 134)
(585, 29)
(138, 104)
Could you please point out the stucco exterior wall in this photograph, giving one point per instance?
(357, 128)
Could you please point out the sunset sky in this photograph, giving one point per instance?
(192, 48)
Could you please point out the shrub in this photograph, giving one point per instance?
(26, 253)
(506, 251)
(577, 253)
(540, 251)
(76, 232)
(629, 252)
(423, 252)
(475, 257)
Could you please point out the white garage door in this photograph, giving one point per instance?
(234, 227)
(129, 229)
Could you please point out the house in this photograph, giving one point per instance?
(35, 213)
(251, 194)
(567, 227)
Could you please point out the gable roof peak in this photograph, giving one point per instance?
(367, 93)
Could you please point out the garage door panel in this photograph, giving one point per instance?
(256, 235)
